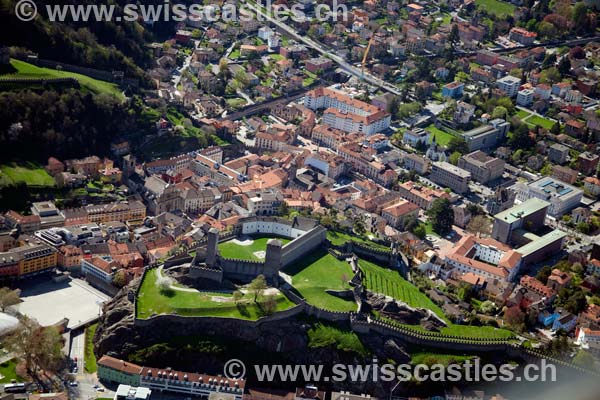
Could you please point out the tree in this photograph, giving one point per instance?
(454, 37)
(564, 66)
(515, 318)
(257, 286)
(458, 144)
(500, 112)
(580, 17)
(420, 231)
(40, 347)
(521, 139)
(547, 30)
(488, 307)
(269, 305)
(480, 224)
(359, 226)
(550, 75)
(584, 359)
(237, 296)
(454, 157)
(119, 280)
(441, 216)
(9, 298)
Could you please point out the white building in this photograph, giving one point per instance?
(525, 97)
(509, 85)
(561, 196)
(414, 136)
(347, 114)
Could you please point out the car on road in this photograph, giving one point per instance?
(74, 384)
(100, 389)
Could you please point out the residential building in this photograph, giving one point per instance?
(525, 97)
(101, 268)
(485, 257)
(185, 384)
(422, 196)
(347, 114)
(588, 163)
(397, 213)
(509, 85)
(483, 168)
(453, 90)
(415, 137)
(446, 174)
(591, 185)
(522, 36)
(558, 153)
(564, 174)
(131, 211)
(417, 163)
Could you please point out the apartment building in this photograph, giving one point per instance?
(364, 162)
(122, 212)
(448, 175)
(422, 196)
(331, 165)
(396, 214)
(509, 85)
(186, 384)
(483, 168)
(31, 258)
(487, 258)
(347, 114)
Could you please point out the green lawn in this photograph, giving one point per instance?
(151, 300)
(8, 370)
(236, 102)
(540, 121)
(390, 283)
(276, 57)
(522, 114)
(338, 238)
(431, 358)
(442, 138)
(233, 250)
(497, 7)
(89, 356)
(30, 173)
(26, 70)
(318, 272)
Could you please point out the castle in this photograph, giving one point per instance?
(305, 235)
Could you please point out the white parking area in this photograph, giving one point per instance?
(49, 302)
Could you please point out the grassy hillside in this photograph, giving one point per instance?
(26, 70)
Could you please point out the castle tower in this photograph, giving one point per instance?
(129, 162)
(273, 258)
(211, 248)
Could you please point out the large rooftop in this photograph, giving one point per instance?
(522, 210)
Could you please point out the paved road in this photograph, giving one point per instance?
(319, 47)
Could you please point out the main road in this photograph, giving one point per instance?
(323, 51)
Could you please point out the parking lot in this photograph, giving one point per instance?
(49, 302)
